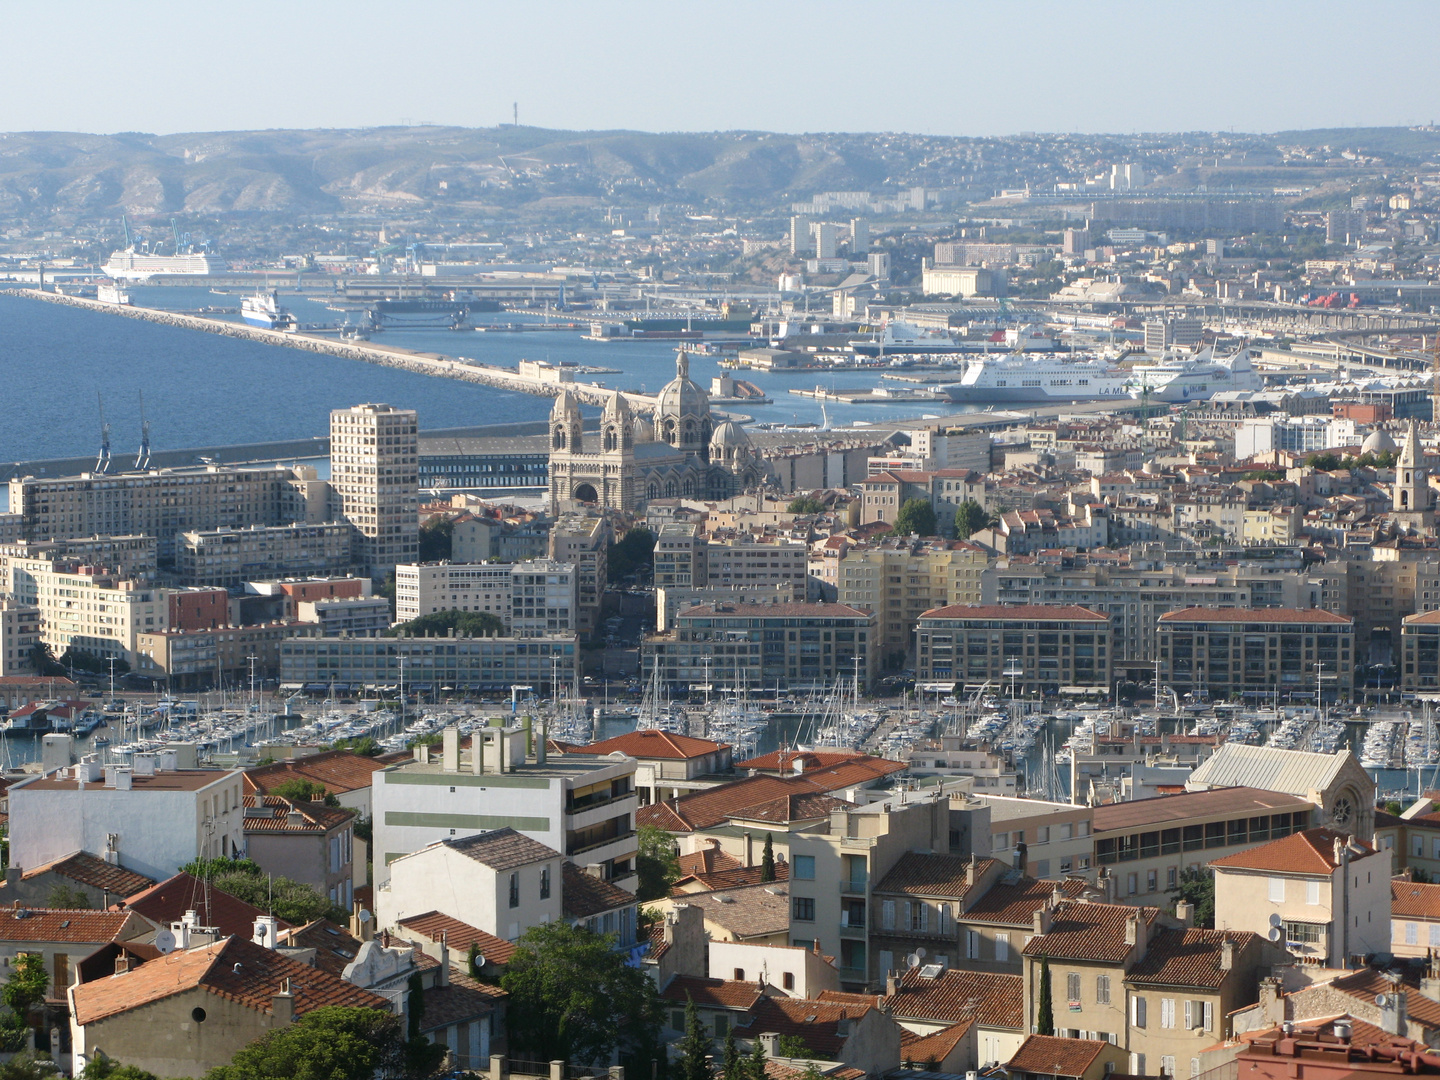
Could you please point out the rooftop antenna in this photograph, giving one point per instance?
(142, 459)
(517, 114)
(102, 463)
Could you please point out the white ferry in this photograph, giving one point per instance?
(1023, 379)
(264, 310)
(108, 293)
(1195, 377)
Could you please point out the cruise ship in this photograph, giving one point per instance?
(263, 309)
(1196, 377)
(131, 265)
(903, 339)
(1024, 379)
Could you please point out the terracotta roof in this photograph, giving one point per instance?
(1112, 817)
(62, 924)
(1368, 982)
(86, 869)
(783, 761)
(459, 936)
(752, 911)
(584, 895)
(339, 771)
(1308, 852)
(173, 780)
(916, 874)
(758, 610)
(936, 1047)
(1015, 905)
(1081, 931)
(502, 849)
(1410, 899)
(1424, 618)
(707, 861)
(464, 999)
(816, 1022)
(711, 806)
(658, 945)
(335, 947)
(1050, 1055)
(728, 879)
(790, 808)
(990, 999)
(1254, 615)
(235, 969)
(272, 814)
(715, 993)
(654, 743)
(168, 901)
(1188, 957)
(1029, 612)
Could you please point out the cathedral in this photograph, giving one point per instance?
(682, 454)
(1412, 503)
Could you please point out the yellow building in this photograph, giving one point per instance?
(899, 580)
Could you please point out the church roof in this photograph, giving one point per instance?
(681, 396)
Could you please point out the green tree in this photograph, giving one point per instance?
(767, 859)
(656, 865)
(1198, 887)
(731, 1065)
(74, 659)
(43, 662)
(793, 1046)
(755, 1060)
(1045, 1008)
(101, 1067)
(440, 623)
(415, 1004)
(805, 504)
(299, 789)
(970, 518)
(332, 1043)
(1323, 462)
(67, 897)
(26, 986)
(28, 1066)
(365, 746)
(694, 1047)
(436, 535)
(916, 518)
(634, 552)
(472, 961)
(573, 997)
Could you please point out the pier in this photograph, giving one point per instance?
(432, 364)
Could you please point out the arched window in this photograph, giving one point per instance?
(653, 491)
(559, 437)
(611, 441)
(689, 486)
(669, 489)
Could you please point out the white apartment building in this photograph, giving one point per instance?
(226, 557)
(339, 616)
(748, 563)
(19, 632)
(374, 472)
(150, 817)
(582, 806)
(88, 609)
(425, 588)
(543, 598)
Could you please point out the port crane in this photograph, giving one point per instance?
(142, 459)
(102, 463)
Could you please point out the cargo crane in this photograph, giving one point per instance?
(142, 459)
(102, 463)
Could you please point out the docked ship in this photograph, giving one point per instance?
(264, 310)
(109, 293)
(903, 339)
(1015, 378)
(131, 265)
(1196, 377)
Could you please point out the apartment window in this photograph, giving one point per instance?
(1435, 935)
(787, 980)
(1194, 1068)
(1072, 989)
(802, 868)
(1002, 947)
(1312, 893)
(887, 914)
(1167, 1012)
(1102, 989)
(545, 883)
(972, 945)
(677, 1019)
(1170, 878)
(1132, 884)
(1137, 1012)
(514, 890)
(1412, 934)
(1152, 880)
(803, 908)
(722, 1025)
(1167, 1065)
(1277, 890)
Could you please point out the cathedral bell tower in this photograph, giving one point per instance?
(1412, 502)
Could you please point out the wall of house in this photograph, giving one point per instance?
(304, 857)
(442, 879)
(807, 972)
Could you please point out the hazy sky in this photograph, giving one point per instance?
(956, 68)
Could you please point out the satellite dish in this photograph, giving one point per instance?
(480, 960)
(1381, 1000)
(920, 952)
(1275, 920)
(912, 961)
(165, 941)
(1275, 933)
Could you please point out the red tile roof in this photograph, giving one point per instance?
(86, 869)
(1050, 1055)
(713, 993)
(168, 901)
(711, 806)
(335, 947)
(916, 874)
(272, 814)
(1254, 615)
(502, 849)
(585, 895)
(1410, 899)
(1083, 931)
(1015, 905)
(464, 999)
(727, 879)
(78, 925)
(1368, 982)
(1308, 852)
(707, 861)
(990, 999)
(1190, 957)
(756, 609)
(1030, 612)
(920, 1050)
(235, 969)
(339, 771)
(815, 1022)
(459, 936)
(783, 761)
(654, 743)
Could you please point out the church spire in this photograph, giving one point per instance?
(682, 365)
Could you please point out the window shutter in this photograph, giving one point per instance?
(924, 914)
(1189, 1015)
(887, 914)
(1137, 1014)
(1208, 1011)
(1277, 890)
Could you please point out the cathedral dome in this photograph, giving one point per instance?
(728, 434)
(644, 430)
(1378, 442)
(682, 397)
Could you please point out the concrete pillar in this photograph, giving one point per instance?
(499, 1067)
(557, 1070)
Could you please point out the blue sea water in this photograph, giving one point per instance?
(203, 389)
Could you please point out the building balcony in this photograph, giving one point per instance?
(854, 933)
(853, 975)
(854, 888)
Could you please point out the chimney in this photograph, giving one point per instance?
(892, 984)
(1392, 1013)
(265, 931)
(540, 749)
(442, 978)
(422, 754)
(122, 963)
(970, 868)
(842, 1025)
(283, 1004)
(144, 764)
(1227, 955)
(450, 749)
(1019, 857)
(1136, 930)
(1185, 913)
(123, 778)
(595, 870)
(1339, 850)
(749, 850)
(477, 752)
(1430, 981)
(772, 1043)
(1272, 1003)
(1042, 919)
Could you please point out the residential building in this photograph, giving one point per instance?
(884, 494)
(148, 817)
(1053, 839)
(1420, 652)
(199, 659)
(902, 578)
(345, 775)
(1223, 652)
(425, 588)
(304, 841)
(668, 764)
(374, 462)
(1414, 917)
(219, 914)
(584, 542)
(480, 539)
(88, 609)
(345, 616)
(755, 645)
(62, 937)
(758, 913)
(500, 882)
(799, 971)
(1277, 1053)
(669, 602)
(602, 907)
(1143, 846)
(749, 563)
(1335, 783)
(19, 634)
(1051, 1057)
(429, 664)
(1032, 648)
(581, 806)
(228, 556)
(100, 882)
(544, 599)
(1327, 892)
(680, 550)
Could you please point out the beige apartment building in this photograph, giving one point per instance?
(374, 473)
(901, 579)
(425, 588)
(88, 609)
(19, 633)
(680, 551)
(226, 557)
(752, 563)
(1029, 648)
(584, 541)
(1229, 652)
(198, 659)
(1047, 839)
(883, 494)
